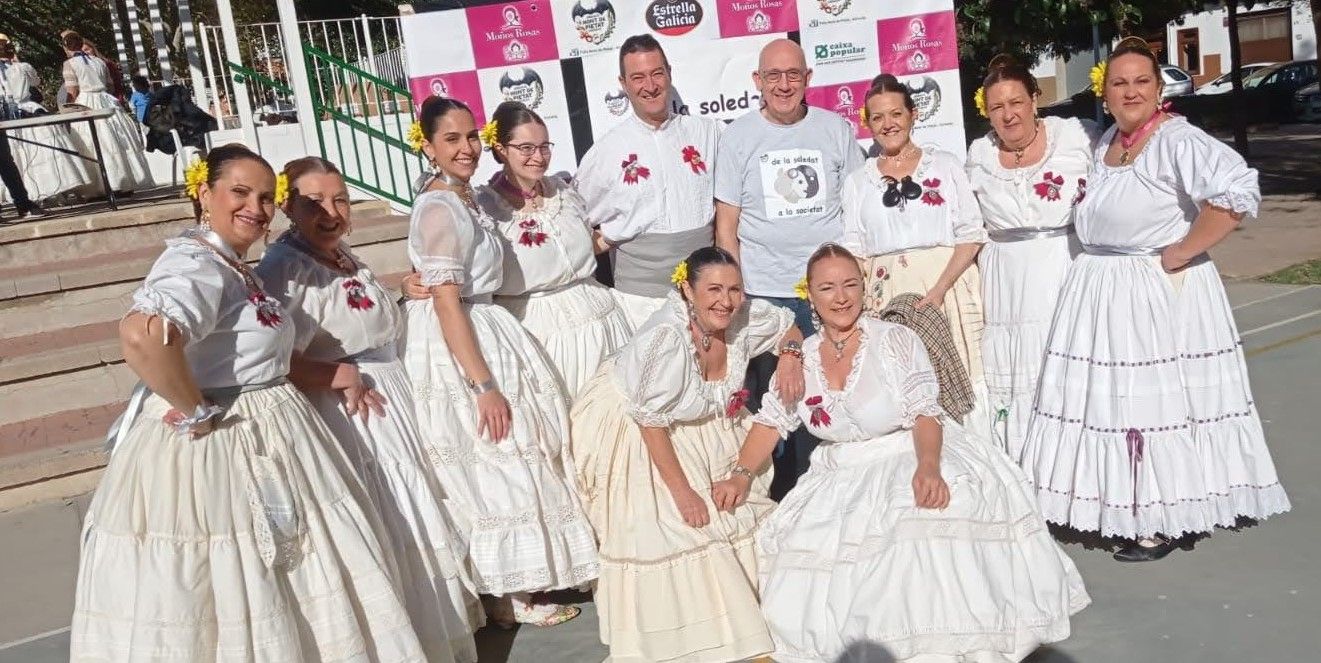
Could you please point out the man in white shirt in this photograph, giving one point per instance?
(777, 186)
(648, 182)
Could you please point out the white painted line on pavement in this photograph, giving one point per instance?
(1275, 296)
(1280, 323)
(33, 638)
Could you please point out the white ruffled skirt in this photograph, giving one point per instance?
(390, 457)
(1021, 283)
(525, 525)
(852, 570)
(253, 543)
(1144, 422)
(121, 144)
(668, 591)
(578, 326)
(47, 172)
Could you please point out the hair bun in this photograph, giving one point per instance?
(1001, 61)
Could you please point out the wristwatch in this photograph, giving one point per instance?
(792, 348)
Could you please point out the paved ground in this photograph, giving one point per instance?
(1249, 595)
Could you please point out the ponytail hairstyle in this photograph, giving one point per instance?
(510, 115)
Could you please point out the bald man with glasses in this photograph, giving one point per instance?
(777, 185)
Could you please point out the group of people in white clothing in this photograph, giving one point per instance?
(744, 448)
(58, 160)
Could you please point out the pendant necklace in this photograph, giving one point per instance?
(1128, 141)
(1019, 151)
(839, 345)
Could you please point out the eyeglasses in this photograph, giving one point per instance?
(528, 149)
(899, 192)
(791, 75)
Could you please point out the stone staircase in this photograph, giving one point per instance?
(64, 284)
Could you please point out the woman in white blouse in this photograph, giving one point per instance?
(228, 525)
(1144, 427)
(487, 400)
(549, 258)
(911, 216)
(345, 358)
(904, 535)
(86, 79)
(1029, 174)
(46, 155)
(653, 430)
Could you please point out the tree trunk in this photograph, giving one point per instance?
(1316, 25)
(1236, 113)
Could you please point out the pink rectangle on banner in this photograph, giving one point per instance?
(842, 98)
(512, 33)
(740, 18)
(461, 85)
(918, 44)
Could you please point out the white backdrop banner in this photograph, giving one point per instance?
(561, 58)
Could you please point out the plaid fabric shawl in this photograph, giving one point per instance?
(932, 327)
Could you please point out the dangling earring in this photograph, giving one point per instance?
(205, 224)
(816, 320)
(692, 317)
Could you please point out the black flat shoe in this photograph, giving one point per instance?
(1136, 552)
(32, 209)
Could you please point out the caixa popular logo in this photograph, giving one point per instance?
(522, 84)
(833, 7)
(594, 19)
(674, 17)
(616, 102)
(926, 96)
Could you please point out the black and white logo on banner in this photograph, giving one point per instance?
(523, 85)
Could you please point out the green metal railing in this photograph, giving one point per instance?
(367, 119)
(262, 89)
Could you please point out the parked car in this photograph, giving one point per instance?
(1177, 81)
(1307, 103)
(1224, 83)
(1272, 89)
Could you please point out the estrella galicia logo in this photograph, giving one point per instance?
(522, 84)
(616, 102)
(594, 20)
(674, 17)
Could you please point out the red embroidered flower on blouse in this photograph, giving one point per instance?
(1049, 186)
(882, 273)
(634, 171)
(694, 159)
(736, 402)
(820, 418)
(531, 235)
(359, 300)
(931, 192)
(1082, 191)
(268, 310)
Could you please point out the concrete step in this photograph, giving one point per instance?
(376, 224)
(55, 445)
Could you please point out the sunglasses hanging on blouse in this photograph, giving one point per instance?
(899, 192)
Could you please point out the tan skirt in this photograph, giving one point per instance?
(668, 591)
(917, 271)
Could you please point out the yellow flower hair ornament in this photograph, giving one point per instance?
(488, 133)
(680, 273)
(281, 188)
(415, 137)
(1097, 74)
(800, 288)
(862, 115)
(194, 178)
(979, 98)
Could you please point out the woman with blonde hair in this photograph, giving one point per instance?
(345, 357)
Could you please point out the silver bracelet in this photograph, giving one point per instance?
(482, 387)
(201, 414)
(739, 470)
